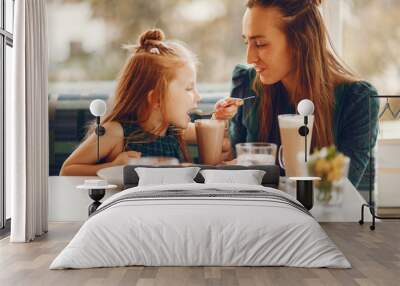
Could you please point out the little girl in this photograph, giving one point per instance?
(154, 94)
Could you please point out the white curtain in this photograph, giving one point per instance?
(27, 123)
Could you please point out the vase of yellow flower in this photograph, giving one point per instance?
(332, 167)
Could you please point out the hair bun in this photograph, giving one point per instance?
(152, 35)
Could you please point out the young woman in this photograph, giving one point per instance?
(287, 48)
(155, 92)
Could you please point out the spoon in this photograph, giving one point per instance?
(200, 112)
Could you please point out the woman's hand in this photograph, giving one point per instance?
(226, 108)
(231, 162)
(123, 158)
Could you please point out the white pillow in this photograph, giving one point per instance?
(248, 177)
(164, 176)
(113, 175)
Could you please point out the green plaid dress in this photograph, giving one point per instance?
(137, 139)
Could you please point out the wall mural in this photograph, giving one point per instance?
(155, 85)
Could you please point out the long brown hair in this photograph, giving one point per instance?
(150, 67)
(317, 70)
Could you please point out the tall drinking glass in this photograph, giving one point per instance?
(293, 145)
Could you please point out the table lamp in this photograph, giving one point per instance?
(304, 185)
(96, 189)
(98, 108)
(305, 108)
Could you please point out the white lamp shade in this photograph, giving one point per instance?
(305, 107)
(98, 107)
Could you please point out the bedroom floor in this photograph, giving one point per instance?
(375, 257)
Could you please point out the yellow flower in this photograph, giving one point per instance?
(323, 166)
(338, 161)
(334, 175)
(328, 164)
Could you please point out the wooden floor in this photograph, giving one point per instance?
(374, 255)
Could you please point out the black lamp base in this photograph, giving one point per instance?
(305, 190)
(305, 193)
(96, 195)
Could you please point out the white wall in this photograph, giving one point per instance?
(66, 202)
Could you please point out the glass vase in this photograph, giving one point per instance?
(330, 193)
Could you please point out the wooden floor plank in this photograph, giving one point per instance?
(374, 255)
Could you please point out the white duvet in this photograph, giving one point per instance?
(227, 231)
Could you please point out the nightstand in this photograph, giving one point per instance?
(97, 190)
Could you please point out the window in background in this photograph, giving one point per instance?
(9, 11)
(6, 43)
(8, 78)
(100, 28)
(2, 196)
(371, 44)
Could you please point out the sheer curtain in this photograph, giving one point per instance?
(27, 123)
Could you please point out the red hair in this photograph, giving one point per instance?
(150, 68)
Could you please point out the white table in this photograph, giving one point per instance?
(348, 211)
(67, 203)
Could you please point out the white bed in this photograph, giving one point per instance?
(185, 230)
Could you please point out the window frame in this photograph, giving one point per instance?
(6, 39)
